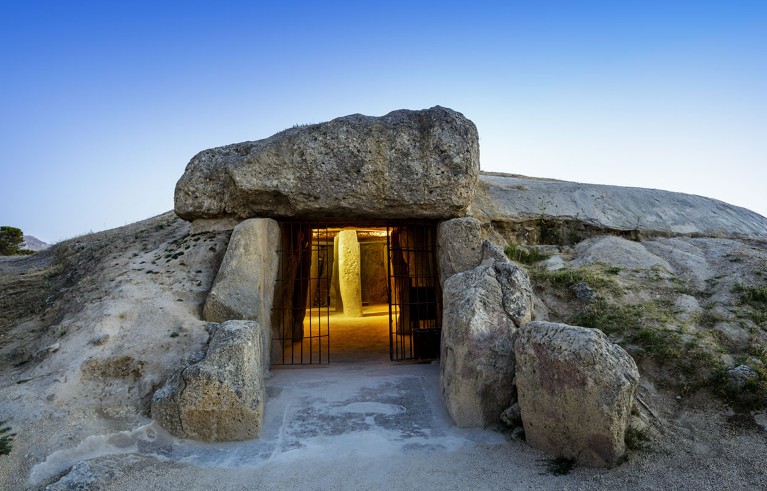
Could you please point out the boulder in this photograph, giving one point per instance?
(482, 309)
(740, 376)
(244, 285)
(406, 164)
(583, 292)
(512, 416)
(220, 398)
(575, 391)
(460, 246)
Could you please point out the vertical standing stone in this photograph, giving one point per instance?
(482, 309)
(373, 272)
(349, 272)
(460, 246)
(244, 285)
(336, 301)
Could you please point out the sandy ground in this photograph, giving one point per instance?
(382, 426)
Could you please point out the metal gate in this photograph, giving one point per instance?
(301, 305)
(414, 308)
(306, 291)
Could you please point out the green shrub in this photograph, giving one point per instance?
(10, 240)
(636, 439)
(525, 257)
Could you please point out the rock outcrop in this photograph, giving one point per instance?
(514, 199)
(406, 164)
(482, 309)
(220, 398)
(575, 391)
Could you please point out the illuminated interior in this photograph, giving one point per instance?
(347, 303)
(354, 294)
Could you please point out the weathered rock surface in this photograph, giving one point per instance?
(740, 376)
(501, 197)
(583, 292)
(689, 258)
(460, 246)
(250, 262)
(244, 285)
(616, 251)
(220, 398)
(482, 309)
(406, 164)
(96, 474)
(575, 391)
(374, 272)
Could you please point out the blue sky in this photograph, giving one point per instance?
(104, 103)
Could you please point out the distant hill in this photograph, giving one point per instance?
(32, 243)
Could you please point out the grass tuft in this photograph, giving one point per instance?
(636, 439)
(6, 438)
(559, 466)
(524, 256)
(753, 394)
(752, 295)
(598, 277)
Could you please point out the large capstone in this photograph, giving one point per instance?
(220, 398)
(575, 391)
(406, 164)
(482, 309)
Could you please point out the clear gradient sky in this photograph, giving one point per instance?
(103, 103)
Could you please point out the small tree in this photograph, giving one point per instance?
(10, 240)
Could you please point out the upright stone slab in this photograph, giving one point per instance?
(336, 302)
(406, 164)
(244, 285)
(482, 309)
(575, 391)
(221, 398)
(374, 273)
(349, 272)
(459, 242)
